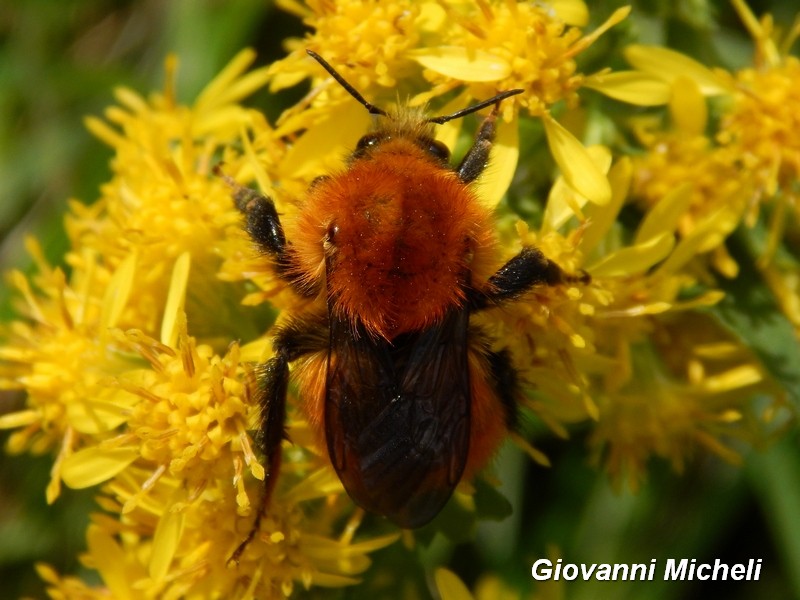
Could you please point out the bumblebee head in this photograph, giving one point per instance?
(406, 123)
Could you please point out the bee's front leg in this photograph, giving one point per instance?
(261, 218)
(524, 271)
(477, 157)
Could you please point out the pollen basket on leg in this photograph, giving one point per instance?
(399, 233)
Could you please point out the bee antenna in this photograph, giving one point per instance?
(475, 107)
(373, 110)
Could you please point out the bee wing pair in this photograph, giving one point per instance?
(397, 416)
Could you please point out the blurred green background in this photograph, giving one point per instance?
(60, 60)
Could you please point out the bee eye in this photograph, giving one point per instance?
(330, 235)
(318, 180)
(438, 150)
(368, 141)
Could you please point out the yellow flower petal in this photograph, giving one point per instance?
(321, 482)
(103, 132)
(707, 234)
(687, 107)
(537, 456)
(494, 182)
(113, 563)
(732, 379)
(165, 542)
(334, 136)
(632, 87)
(601, 218)
(450, 586)
(19, 419)
(175, 299)
(564, 202)
(616, 17)
(461, 63)
(562, 205)
(572, 12)
(281, 81)
(243, 86)
(576, 164)
(634, 259)
(218, 90)
(664, 216)
(95, 415)
(91, 466)
(669, 65)
(118, 292)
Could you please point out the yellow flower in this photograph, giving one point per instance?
(62, 355)
(758, 128)
(161, 203)
(506, 45)
(758, 124)
(368, 40)
(685, 173)
(589, 348)
(450, 587)
(690, 396)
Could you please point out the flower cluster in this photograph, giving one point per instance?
(138, 358)
(750, 159)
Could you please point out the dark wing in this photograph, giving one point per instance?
(397, 416)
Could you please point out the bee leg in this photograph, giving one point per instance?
(505, 381)
(271, 397)
(261, 218)
(477, 157)
(527, 269)
(292, 341)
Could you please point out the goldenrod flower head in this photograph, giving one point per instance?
(161, 203)
(488, 46)
(758, 124)
(61, 354)
(685, 173)
(690, 394)
(179, 483)
(368, 40)
(593, 336)
(499, 45)
(761, 124)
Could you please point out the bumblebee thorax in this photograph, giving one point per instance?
(396, 232)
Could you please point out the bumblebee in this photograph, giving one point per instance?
(403, 394)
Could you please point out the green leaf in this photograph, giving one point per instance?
(456, 522)
(750, 312)
(775, 477)
(490, 503)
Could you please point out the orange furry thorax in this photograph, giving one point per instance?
(400, 235)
